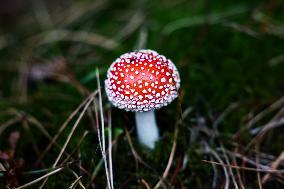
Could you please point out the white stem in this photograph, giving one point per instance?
(147, 129)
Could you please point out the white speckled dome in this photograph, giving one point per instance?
(142, 81)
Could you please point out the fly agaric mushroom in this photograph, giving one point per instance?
(142, 81)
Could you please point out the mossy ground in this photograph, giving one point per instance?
(230, 58)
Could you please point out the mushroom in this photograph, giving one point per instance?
(142, 81)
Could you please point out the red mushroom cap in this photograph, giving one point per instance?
(142, 81)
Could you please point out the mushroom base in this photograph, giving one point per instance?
(147, 129)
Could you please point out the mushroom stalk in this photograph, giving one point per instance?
(147, 129)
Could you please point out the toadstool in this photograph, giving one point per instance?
(142, 81)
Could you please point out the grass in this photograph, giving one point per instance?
(224, 131)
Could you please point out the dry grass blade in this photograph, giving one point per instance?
(230, 169)
(259, 137)
(215, 154)
(246, 160)
(257, 163)
(274, 166)
(74, 128)
(134, 152)
(228, 110)
(9, 123)
(40, 178)
(170, 161)
(234, 160)
(31, 138)
(77, 146)
(276, 60)
(79, 181)
(145, 184)
(74, 184)
(79, 10)
(279, 103)
(61, 129)
(135, 22)
(92, 96)
(142, 39)
(101, 134)
(76, 36)
(245, 168)
(110, 147)
(199, 20)
(271, 125)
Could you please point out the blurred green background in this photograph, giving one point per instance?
(230, 55)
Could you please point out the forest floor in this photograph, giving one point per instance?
(224, 131)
